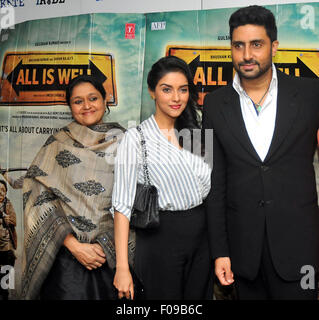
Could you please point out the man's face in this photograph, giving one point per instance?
(252, 51)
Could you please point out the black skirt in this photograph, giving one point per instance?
(68, 279)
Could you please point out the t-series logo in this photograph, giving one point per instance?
(40, 2)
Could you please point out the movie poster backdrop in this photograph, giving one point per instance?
(38, 58)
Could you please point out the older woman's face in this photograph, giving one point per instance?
(3, 192)
(87, 104)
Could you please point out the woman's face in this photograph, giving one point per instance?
(171, 95)
(3, 192)
(87, 104)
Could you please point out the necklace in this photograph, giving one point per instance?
(257, 105)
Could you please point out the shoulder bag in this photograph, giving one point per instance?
(145, 214)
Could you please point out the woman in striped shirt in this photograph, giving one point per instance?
(173, 260)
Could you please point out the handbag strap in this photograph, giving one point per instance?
(144, 157)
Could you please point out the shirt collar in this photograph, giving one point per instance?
(237, 85)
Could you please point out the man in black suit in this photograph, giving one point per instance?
(262, 209)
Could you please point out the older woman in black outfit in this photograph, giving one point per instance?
(69, 250)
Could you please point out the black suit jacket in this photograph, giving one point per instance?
(279, 193)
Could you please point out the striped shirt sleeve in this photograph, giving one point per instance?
(125, 174)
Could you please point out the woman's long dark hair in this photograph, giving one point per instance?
(189, 118)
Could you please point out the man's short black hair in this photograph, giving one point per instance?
(255, 15)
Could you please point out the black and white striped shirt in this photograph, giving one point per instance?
(181, 178)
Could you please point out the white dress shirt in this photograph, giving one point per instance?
(260, 128)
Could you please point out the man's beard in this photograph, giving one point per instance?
(247, 75)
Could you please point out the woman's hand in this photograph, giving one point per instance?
(89, 255)
(123, 282)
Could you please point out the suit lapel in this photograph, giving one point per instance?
(287, 107)
(233, 116)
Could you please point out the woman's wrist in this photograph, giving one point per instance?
(71, 243)
(123, 267)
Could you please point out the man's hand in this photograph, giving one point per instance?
(223, 271)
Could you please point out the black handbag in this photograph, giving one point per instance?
(145, 213)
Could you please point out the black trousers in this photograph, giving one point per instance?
(7, 258)
(268, 285)
(173, 261)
